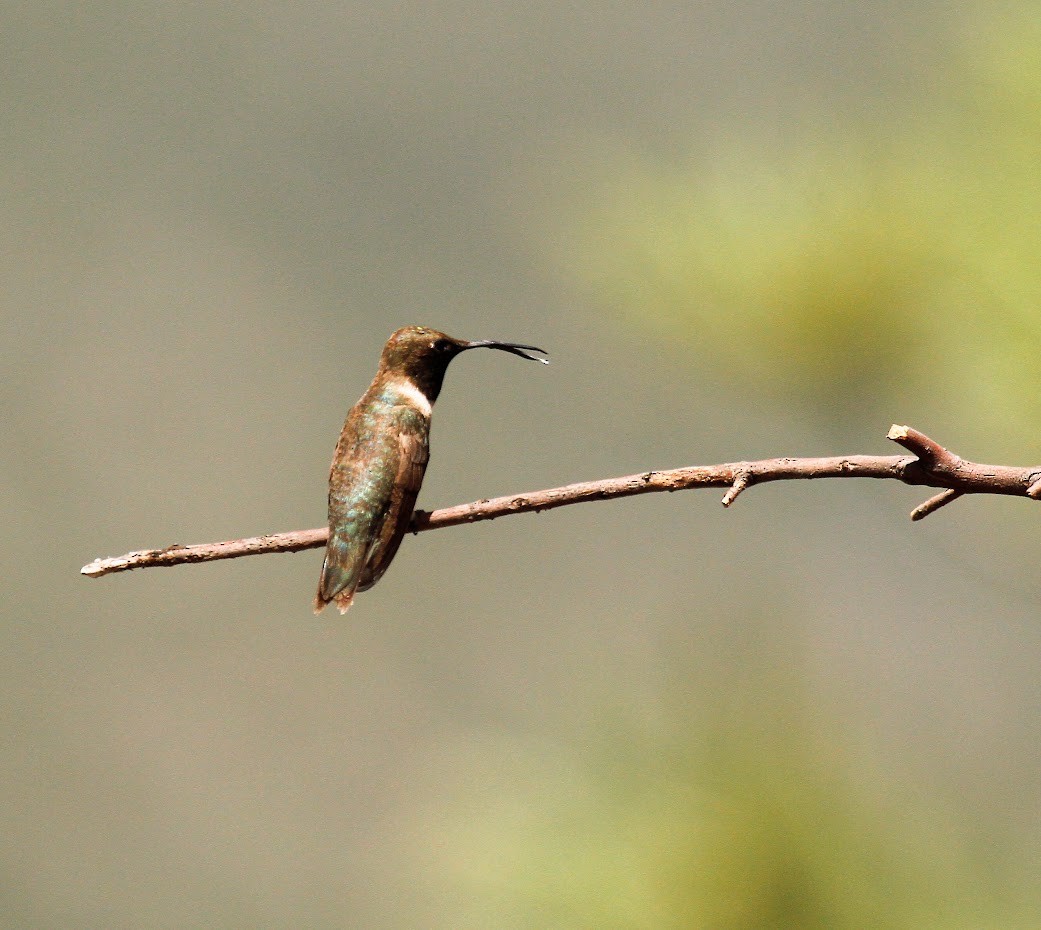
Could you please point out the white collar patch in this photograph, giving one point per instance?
(414, 396)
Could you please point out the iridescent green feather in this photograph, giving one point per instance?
(373, 485)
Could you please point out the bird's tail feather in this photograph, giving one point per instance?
(339, 579)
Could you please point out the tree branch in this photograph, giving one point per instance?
(929, 465)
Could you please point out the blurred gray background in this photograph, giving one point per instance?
(801, 712)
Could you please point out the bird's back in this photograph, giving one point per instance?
(376, 474)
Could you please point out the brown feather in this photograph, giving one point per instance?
(412, 464)
(362, 492)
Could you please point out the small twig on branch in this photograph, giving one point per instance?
(742, 480)
(929, 465)
(935, 503)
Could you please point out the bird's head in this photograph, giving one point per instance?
(422, 355)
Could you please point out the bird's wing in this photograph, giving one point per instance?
(361, 489)
(412, 431)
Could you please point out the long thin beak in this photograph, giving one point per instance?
(513, 347)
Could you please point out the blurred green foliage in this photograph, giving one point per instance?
(879, 266)
(755, 817)
(867, 268)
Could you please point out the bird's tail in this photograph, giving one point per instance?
(341, 572)
(343, 601)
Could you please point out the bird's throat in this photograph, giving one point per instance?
(413, 395)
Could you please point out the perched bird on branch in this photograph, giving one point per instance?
(381, 457)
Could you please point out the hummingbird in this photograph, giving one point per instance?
(381, 457)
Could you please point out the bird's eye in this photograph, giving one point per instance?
(441, 345)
